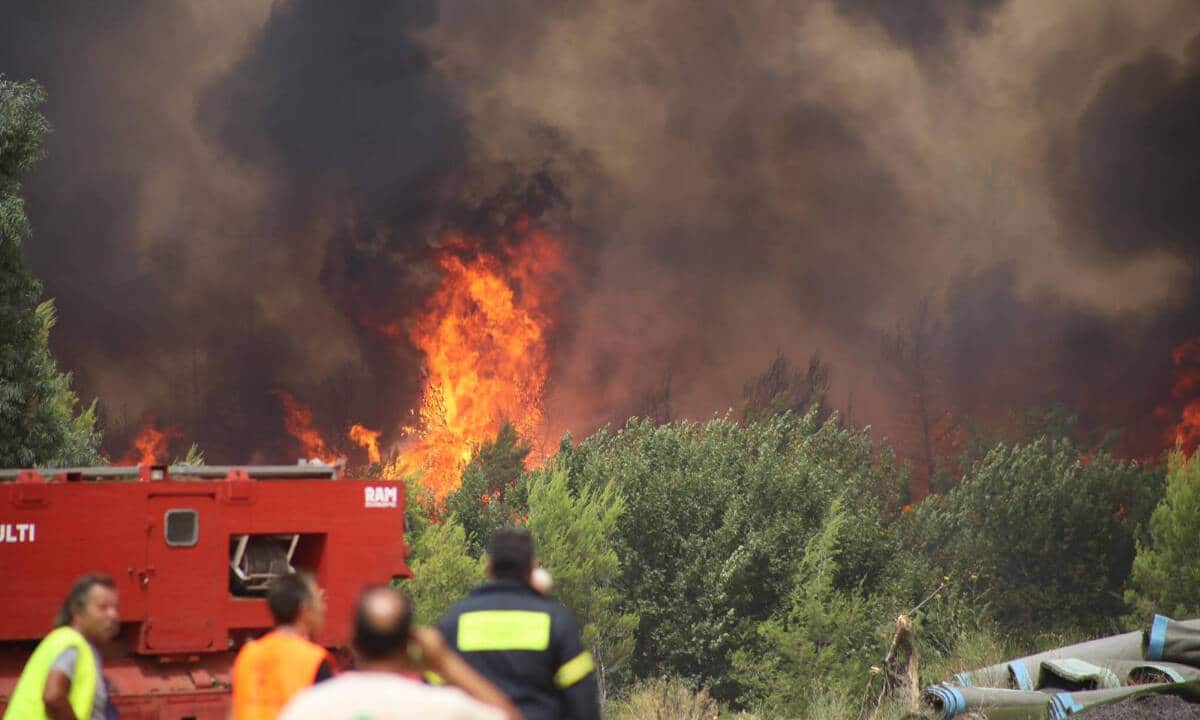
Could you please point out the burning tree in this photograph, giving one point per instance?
(1186, 393)
(483, 335)
(150, 446)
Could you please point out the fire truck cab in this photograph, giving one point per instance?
(192, 550)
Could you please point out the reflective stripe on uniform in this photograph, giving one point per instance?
(574, 670)
(503, 630)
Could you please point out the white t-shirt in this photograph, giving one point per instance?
(384, 696)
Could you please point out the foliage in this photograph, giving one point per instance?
(1166, 571)
(491, 495)
(821, 631)
(963, 647)
(1046, 532)
(1019, 427)
(662, 698)
(717, 515)
(575, 537)
(194, 456)
(38, 421)
(443, 570)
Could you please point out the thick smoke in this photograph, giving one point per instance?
(794, 179)
(238, 195)
(1137, 159)
(922, 25)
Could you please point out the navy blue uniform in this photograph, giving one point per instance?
(527, 646)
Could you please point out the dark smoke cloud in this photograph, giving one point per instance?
(202, 222)
(338, 99)
(1008, 352)
(787, 183)
(239, 194)
(924, 24)
(1137, 158)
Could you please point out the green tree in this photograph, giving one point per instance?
(715, 523)
(491, 495)
(38, 420)
(820, 631)
(575, 536)
(1166, 571)
(1047, 531)
(443, 570)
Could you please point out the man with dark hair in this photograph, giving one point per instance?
(64, 678)
(526, 644)
(269, 671)
(378, 689)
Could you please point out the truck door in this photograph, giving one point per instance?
(185, 577)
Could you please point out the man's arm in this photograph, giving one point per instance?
(575, 676)
(437, 656)
(56, 696)
(583, 698)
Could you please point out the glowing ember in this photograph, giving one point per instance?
(298, 418)
(150, 445)
(483, 334)
(1186, 432)
(368, 439)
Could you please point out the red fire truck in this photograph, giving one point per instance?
(192, 549)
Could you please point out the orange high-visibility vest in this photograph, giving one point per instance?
(270, 670)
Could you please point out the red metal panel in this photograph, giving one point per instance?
(176, 603)
(183, 596)
(81, 527)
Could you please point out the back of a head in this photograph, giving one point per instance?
(511, 554)
(287, 595)
(77, 596)
(382, 623)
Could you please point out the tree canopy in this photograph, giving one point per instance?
(39, 423)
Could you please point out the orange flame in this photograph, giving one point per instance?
(483, 334)
(298, 418)
(1186, 432)
(368, 439)
(150, 445)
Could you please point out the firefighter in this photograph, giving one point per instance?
(527, 645)
(63, 679)
(270, 670)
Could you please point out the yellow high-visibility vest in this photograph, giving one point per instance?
(26, 701)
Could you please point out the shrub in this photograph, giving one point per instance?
(1166, 572)
(715, 524)
(443, 571)
(822, 639)
(1047, 533)
(575, 536)
(664, 699)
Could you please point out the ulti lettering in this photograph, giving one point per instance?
(18, 532)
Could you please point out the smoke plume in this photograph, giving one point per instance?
(238, 196)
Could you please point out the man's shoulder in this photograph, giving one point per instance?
(508, 598)
(384, 692)
(285, 641)
(249, 648)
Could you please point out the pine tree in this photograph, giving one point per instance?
(1166, 572)
(38, 421)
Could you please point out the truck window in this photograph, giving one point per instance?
(182, 528)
